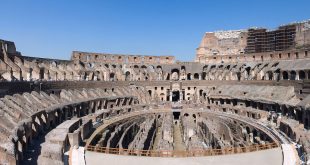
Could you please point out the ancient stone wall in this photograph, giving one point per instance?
(254, 40)
(88, 57)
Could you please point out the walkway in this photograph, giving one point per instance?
(265, 157)
(78, 156)
(289, 154)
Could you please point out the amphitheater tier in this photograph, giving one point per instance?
(239, 99)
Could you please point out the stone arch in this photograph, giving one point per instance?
(162, 96)
(189, 76)
(175, 73)
(200, 92)
(205, 68)
(127, 76)
(150, 92)
(302, 75)
(168, 76)
(270, 75)
(196, 76)
(293, 75)
(112, 76)
(255, 133)
(239, 76)
(204, 75)
(248, 69)
(248, 130)
(284, 75)
(306, 123)
(277, 75)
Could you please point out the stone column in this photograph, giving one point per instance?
(181, 91)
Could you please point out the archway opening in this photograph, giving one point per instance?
(285, 75)
(306, 123)
(293, 75)
(127, 76)
(41, 74)
(175, 74)
(150, 92)
(270, 75)
(302, 75)
(204, 75)
(112, 76)
(196, 76)
(189, 76)
(176, 115)
(175, 96)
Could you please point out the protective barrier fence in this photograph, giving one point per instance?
(191, 153)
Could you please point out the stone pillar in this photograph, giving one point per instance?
(181, 92)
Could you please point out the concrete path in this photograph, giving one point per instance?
(77, 156)
(290, 154)
(265, 157)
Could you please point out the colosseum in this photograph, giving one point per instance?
(244, 100)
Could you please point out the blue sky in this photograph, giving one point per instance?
(54, 28)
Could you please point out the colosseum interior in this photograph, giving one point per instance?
(245, 100)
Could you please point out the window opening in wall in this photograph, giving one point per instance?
(150, 92)
(176, 115)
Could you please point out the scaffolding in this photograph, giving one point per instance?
(262, 40)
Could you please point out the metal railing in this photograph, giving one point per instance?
(190, 153)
